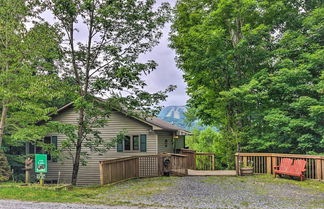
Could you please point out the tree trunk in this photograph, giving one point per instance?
(3, 121)
(76, 163)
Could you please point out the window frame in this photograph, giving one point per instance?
(132, 138)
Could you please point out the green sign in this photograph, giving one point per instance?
(40, 163)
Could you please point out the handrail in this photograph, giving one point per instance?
(280, 155)
(265, 163)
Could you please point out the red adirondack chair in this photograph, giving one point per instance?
(284, 166)
(298, 169)
(287, 168)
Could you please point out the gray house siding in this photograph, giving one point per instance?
(90, 174)
(155, 142)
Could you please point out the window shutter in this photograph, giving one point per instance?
(120, 146)
(54, 142)
(143, 142)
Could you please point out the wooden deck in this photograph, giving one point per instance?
(211, 173)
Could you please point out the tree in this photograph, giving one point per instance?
(236, 44)
(289, 97)
(104, 62)
(211, 141)
(27, 74)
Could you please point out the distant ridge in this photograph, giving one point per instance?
(176, 116)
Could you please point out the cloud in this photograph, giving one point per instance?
(167, 72)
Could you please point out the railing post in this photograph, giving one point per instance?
(109, 172)
(269, 167)
(213, 162)
(318, 165)
(274, 163)
(245, 163)
(322, 162)
(124, 170)
(237, 164)
(137, 167)
(101, 170)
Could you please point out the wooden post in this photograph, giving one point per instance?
(274, 163)
(213, 162)
(124, 170)
(237, 164)
(245, 163)
(28, 168)
(269, 167)
(318, 168)
(102, 181)
(322, 162)
(109, 171)
(27, 176)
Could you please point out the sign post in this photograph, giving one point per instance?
(28, 168)
(41, 167)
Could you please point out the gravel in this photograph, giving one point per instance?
(234, 192)
(15, 204)
(206, 192)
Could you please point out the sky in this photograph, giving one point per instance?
(166, 73)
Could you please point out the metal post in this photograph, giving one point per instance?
(41, 180)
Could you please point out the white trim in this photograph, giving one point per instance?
(157, 143)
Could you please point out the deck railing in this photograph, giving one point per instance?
(205, 161)
(264, 163)
(116, 170)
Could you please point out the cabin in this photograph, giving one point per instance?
(149, 136)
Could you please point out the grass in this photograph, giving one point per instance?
(109, 195)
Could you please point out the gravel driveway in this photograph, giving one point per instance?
(259, 192)
(14, 204)
(234, 192)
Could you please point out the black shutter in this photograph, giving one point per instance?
(54, 142)
(120, 145)
(143, 142)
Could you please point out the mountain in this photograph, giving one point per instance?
(176, 115)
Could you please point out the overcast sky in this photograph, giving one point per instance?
(166, 73)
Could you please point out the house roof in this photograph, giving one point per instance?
(156, 123)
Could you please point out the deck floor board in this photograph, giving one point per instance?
(211, 172)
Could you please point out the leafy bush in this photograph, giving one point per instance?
(209, 140)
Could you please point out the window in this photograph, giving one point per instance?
(132, 143)
(165, 143)
(32, 148)
(127, 143)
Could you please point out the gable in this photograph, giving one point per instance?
(116, 120)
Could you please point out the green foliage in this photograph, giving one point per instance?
(28, 77)
(253, 70)
(209, 140)
(4, 167)
(105, 63)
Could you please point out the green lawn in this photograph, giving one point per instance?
(109, 194)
